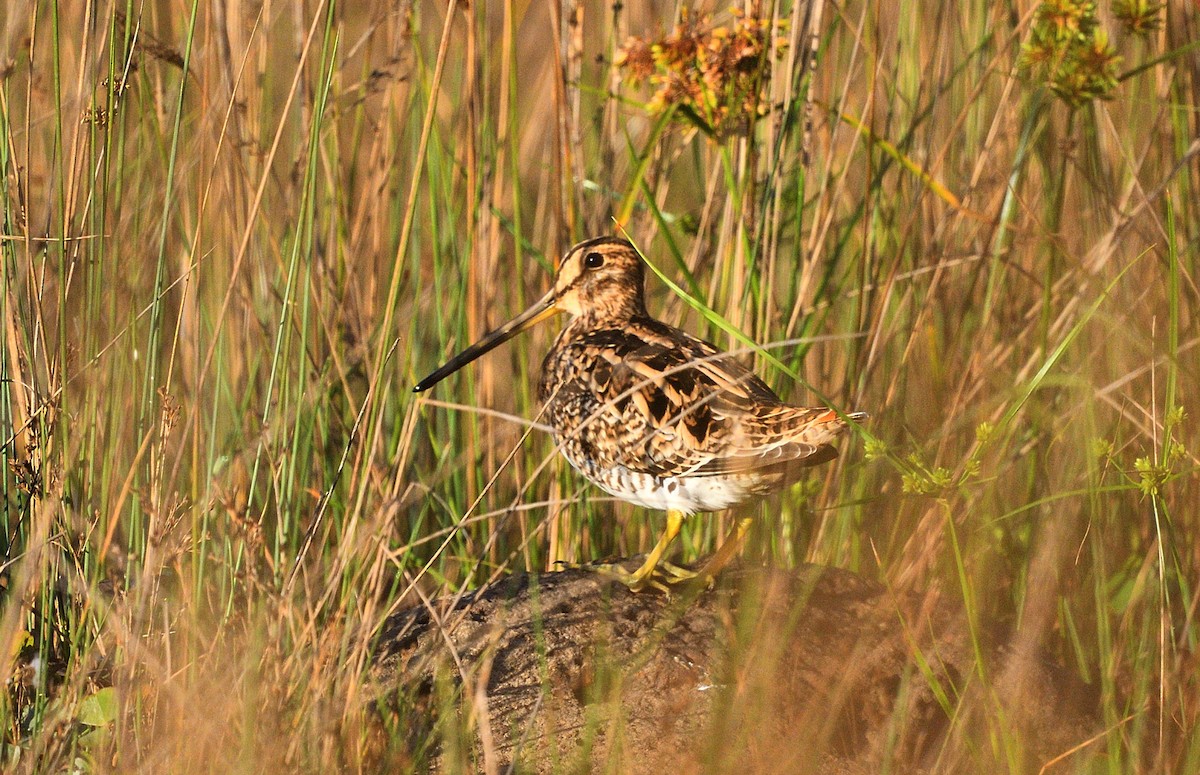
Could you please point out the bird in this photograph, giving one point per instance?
(653, 415)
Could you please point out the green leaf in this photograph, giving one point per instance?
(99, 709)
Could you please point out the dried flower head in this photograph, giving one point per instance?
(1070, 53)
(1140, 17)
(715, 75)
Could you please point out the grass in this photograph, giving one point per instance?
(231, 243)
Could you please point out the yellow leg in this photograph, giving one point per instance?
(727, 551)
(644, 576)
(650, 575)
(673, 574)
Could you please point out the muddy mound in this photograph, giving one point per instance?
(816, 670)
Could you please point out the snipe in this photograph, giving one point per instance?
(654, 415)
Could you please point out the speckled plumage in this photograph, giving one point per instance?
(660, 418)
(652, 414)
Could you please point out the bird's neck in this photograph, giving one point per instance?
(609, 316)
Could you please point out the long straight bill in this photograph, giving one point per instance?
(541, 310)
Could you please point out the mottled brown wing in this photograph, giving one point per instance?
(689, 409)
(781, 439)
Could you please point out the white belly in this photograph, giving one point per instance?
(686, 494)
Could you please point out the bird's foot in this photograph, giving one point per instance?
(677, 574)
(666, 577)
(637, 581)
(661, 577)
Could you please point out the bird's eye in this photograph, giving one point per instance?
(593, 260)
